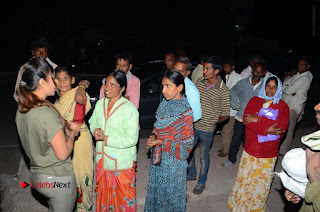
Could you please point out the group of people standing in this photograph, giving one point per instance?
(59, 144)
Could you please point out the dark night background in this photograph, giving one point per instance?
(278, 30)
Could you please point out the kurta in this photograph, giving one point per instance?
(121, 129)
(82, 158)
(116, 155)
(167, 183)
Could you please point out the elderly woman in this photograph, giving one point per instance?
(266, 119)
(114, 124)
(171, 143)
(73, 104)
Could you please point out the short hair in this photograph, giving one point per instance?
(185, 60)
(120, 78)
(305, 58)
(173, 52)
(215, 61)
(265, 63)
(259, 64)
(202, 57)
(39, 42)
(175, 77)
(124, 54)
(254, 57)
(229, 61)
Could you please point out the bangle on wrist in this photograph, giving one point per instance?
(82, 87)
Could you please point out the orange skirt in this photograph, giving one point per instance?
(116, 191)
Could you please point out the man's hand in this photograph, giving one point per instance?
(275, 131)
(313, 165)
(222, 119)
(292, 197)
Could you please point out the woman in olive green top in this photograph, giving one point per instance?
(47, 139)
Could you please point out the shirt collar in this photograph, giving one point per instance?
(129, 75)
(256, 85)
(214, 85)
(231, 74)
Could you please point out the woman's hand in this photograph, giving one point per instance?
(151, 137)
(292, 197)
(151, 141)
(99, 134)
(84, 83)
(275, 131)
(75, 128)
(250, 118)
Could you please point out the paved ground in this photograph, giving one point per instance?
(219, 184)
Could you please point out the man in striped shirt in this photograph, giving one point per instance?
(215, 105)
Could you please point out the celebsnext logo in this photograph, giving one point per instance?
(49, 185)
(33, 184)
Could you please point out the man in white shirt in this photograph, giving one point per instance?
(232, 77)
(295, 91)
(293, 71)
(247, 71)
(39, 48)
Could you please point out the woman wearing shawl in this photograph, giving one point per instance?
(266, 118)
(171, 143)
(115, 125)
(73, 104)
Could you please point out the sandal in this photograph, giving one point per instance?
(191, 179)
(198, 189)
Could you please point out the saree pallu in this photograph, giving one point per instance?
(116, 191)
(82, 157)
(252, 185)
